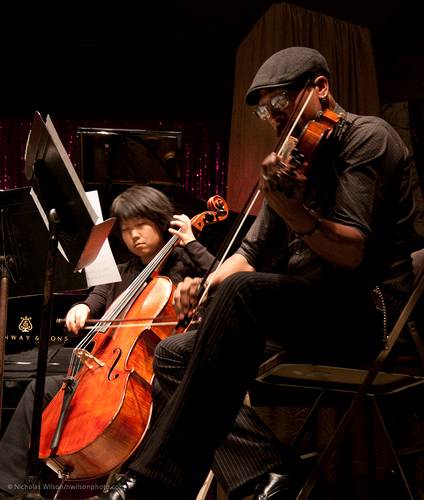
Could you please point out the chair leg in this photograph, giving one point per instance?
(362, 391)
(418, 343)
(298, 438)
(393, 451)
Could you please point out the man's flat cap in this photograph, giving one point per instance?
(286, 68)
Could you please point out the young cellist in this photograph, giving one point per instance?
(146, 220)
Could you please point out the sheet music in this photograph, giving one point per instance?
(103, 269)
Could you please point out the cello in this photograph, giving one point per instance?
(101, 413)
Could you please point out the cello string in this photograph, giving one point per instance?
(120, 303)
(123, 299)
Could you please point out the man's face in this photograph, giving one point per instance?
(280, 106)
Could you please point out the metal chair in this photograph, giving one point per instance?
(333, 384)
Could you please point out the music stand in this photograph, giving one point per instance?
(72, 224)
(24, 237)
(23, 255)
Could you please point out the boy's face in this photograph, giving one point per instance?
(142, 237)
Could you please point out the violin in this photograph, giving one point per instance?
(100, 415)
(299, 153)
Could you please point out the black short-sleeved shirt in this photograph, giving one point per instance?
(361, 179)
(191, 260)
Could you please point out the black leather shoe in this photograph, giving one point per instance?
(274, 486)
(123, 488)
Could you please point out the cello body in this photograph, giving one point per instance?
(110, 409)
(100, 415)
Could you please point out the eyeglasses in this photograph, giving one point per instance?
(277, 103)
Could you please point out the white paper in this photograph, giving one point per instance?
(103, 269)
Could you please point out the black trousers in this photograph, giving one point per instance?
(248, 451)
(14, 445)
(202, 384)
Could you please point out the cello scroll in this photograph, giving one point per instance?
(218, 211)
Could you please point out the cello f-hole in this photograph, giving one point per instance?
(109, 375)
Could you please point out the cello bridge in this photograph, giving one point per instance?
(88, 359)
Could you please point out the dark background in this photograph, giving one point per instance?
(171, 59)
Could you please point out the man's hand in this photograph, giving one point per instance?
(186, 297)
(284, 193)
